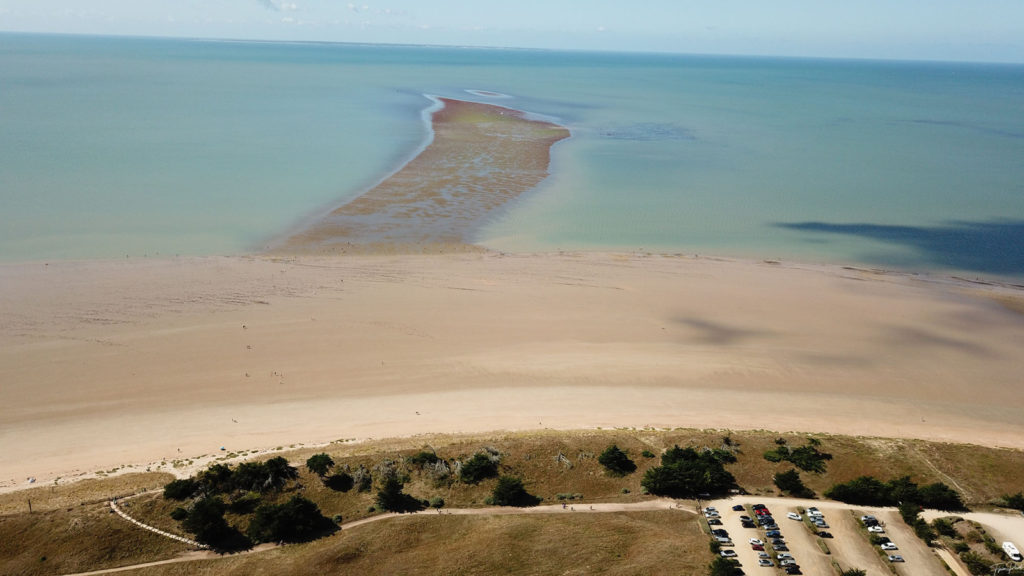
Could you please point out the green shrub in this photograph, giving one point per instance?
(616, 461)
(320, 464)
(976, 564)
(436, 502)
(478, 468)
(647, 454)
(791, 483)
(511, 492)
(179, 513)
(181, 489)
(297, 520)
(945, 528)
(724, 567)
(1014, 501)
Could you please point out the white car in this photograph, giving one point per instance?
(757, 541)
(812, 511)
(783, 555)
(889, 546)
(895, 558)
(763, 555)
(867, 517)
(794, 516)
(876, 529)
(765, 563)
(728, 553)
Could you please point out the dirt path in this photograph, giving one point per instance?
(659, 504)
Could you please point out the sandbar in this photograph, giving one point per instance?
(480, 158)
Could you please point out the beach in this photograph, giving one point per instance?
(143, 361)
(382, 319)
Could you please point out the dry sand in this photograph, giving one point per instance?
(114, 362)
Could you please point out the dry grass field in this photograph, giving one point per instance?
(72, 528)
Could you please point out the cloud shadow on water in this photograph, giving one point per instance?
(992, 247)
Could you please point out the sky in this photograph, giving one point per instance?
(973, 30)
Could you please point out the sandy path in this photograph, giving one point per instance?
(148, 361)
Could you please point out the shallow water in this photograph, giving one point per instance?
(112, 147)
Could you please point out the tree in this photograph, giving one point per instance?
(251, 476)
(865, 490)
(297, 520)
(939, 496)
(217, 479)
(791, 483)
(206, 521)
(1014, 501)
(280, 472)
(320, 464)
(616, 461)
(511, 492)
(181, 489)
(684, 473)
(477, 468)
(390, 496)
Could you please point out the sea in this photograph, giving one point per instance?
(116, 147)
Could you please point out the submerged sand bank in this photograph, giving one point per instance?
(108, 363)
(481, 157)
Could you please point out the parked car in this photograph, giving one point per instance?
(773, 533)
(757, 506)
(823, 534)
(781, 548)
(783, 556)
(889, 546)
(765, 563)
(794, 516)
(757, 547)
(738, 508)
(787, 562)
(895, 558)
(771, 526)
(714, 522)
(746, 518)
(728, 553)
(764, 555)
(719, 532)
(757, 541)
(876, 529)
(748, 525)
(793, 570)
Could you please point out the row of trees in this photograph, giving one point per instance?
(869, 491)
(260, 477)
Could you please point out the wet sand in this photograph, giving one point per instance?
(481, 157)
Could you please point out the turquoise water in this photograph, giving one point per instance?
(113, 146)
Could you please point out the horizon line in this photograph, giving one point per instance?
(666, 53)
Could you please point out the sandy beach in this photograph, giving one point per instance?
(139, 361)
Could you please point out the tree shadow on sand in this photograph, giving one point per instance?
(992, 247)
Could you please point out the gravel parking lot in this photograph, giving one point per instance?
(849, 546)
